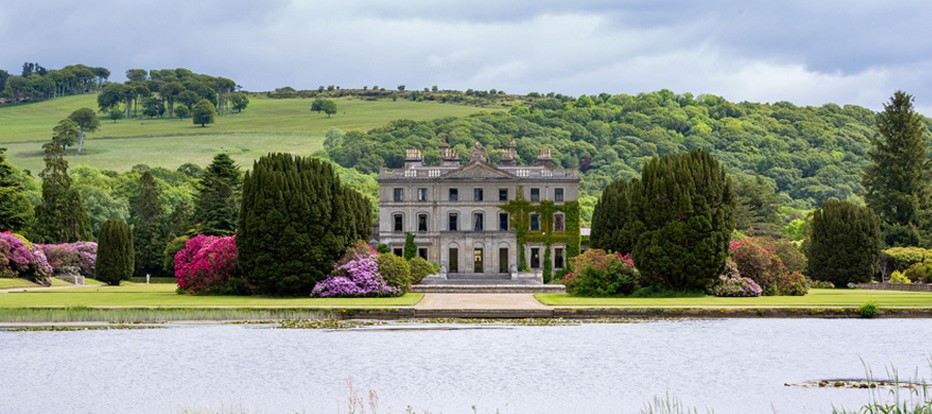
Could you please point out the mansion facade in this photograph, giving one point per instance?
(481, 218)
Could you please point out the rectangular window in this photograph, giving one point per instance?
(535, 222)
(558, 224)
(399, 194)
(535, 194)
(503, 221)
(535, 258)
(454, 219)
(558, 258)
(422, 252)
(399, 223)
(558, 195)
(422, 222)
(398, 251)
(421, 194)
(502, 194)
(454, 260)
(454, 194)
(478, 219)
(503, 260)
(477, 194)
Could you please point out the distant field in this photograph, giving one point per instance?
(267, 125)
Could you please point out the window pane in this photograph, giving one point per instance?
(421, 194)
(558, 195)
(558, 222)
(399, 223)
(535, 222)
(477, 194)
(399, 194)
(558, 258)
(503, 221)
(502, 194)
(398, 251)
(422, 252)
(535, 194)
(422, 222)
(478, 222)
(454, 226)
(454, 194)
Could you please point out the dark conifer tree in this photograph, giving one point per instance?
(294, 223)
(16, 212)
(683, 212)
(149, 233)
(897, 182)
(844, 243)
(410, 249)
(114, 253)
(612, 226)
(61, 217)
(217, 205)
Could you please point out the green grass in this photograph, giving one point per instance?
(16, 283)
(163, 295)
(267, 125)
(815, 298)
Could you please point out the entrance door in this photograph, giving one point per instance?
(477, 260)
(503, 260)
(535, 258)
(454, 260)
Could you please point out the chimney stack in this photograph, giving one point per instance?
(544, 160)
(413, 158)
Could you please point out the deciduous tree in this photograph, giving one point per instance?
(203, 113)
(87, 121)
(16, 212)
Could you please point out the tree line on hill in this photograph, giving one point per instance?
(36, 83)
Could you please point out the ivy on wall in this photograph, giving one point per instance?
(519, 210)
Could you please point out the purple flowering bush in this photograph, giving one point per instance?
(355, 274)
(82, 255)
(22, 259)
(731, 284)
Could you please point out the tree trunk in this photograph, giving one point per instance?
(80, 139)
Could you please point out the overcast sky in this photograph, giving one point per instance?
(806, 52)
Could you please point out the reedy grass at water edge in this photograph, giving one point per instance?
(154, 315)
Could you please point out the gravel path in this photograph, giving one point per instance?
(479, 301)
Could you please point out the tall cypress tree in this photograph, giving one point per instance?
(16, 213)
(219, 190)
(897, 182)
(149, 231)
(295, 221)
(683, 210)
(61, 217)
(612, 224)
(844, 243)
(115, 253)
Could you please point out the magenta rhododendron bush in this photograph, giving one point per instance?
(355, 274)
(22, 259)
(82, 255)
(757, 259)
(207, 265)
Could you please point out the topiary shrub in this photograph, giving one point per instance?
(410, 249)
(420, 269)
(395, 270)
(598, 273)
(844, 244)
(207, 266)
(356, 274)
(115, 254)
(731, 284)
(898, 277)
(21, 259)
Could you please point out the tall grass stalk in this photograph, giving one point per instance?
(668, 405)
(912, 396)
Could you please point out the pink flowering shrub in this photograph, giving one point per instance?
(82, 255)
(355, 274)
(207, 265)
(731, 284)
(19, 258)
(757, 259)
(599, 273)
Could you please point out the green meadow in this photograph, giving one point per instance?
(815, 298)
(267, 125)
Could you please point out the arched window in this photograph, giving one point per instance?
(398, 222)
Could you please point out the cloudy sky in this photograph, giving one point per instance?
(806, 52)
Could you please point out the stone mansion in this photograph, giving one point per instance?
(481, 218)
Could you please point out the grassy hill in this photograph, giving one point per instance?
(267, 125)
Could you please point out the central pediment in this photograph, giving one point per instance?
(479, 169)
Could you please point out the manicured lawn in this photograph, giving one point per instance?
(815, 298)
(267, 125)
(163, 295)
(15, 283)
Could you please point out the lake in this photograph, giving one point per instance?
(728, 365)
